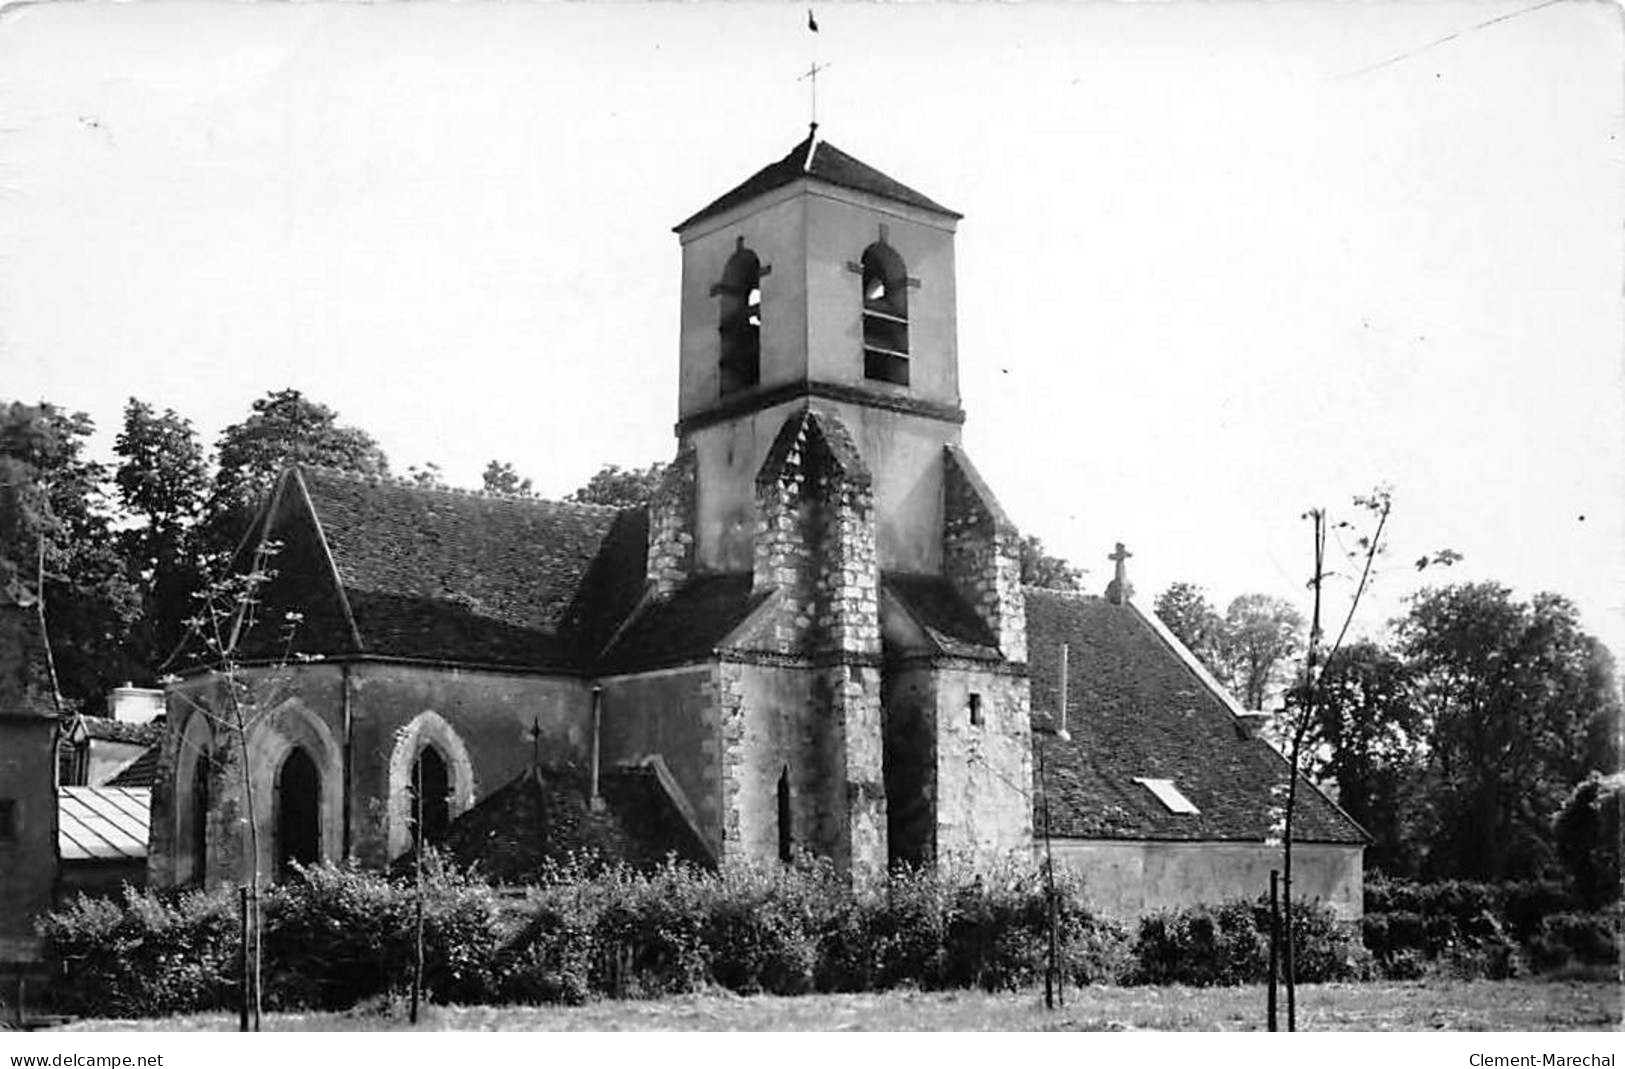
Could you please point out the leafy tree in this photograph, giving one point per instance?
(57, 552)
(1259, 637)
(162, 482)
(428, 477)
(620, 487)
(283, 427)
(1185, 610)
(1365, 738)
(1040, 569)
(1587, 834)
(501, 478)
(1520, 702)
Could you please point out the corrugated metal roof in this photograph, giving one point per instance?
(103, 823)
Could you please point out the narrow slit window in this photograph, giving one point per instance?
(8, 820)
(1168, 795)
(786, 841)
(739, 320)
(885, 315)
(976, 710)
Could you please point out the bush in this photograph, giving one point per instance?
(1202, 946)
(151, 955)
(1568, 939)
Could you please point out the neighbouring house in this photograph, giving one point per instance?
(813, 638)
(28, 817)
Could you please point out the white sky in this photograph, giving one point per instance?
(1215, 268)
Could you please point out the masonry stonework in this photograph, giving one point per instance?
(981, 554)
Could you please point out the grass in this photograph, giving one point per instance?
(1424, 1005)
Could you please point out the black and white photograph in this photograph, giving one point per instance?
(747, 517)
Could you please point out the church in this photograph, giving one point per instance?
(813, 639)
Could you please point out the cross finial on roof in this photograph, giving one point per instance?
(534, 734)
(1119, 590)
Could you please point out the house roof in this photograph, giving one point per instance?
(544, 816)
(1138, 712)
(374, 566)
(106, 729)
(817, 158)
(103, 823)
(944, 616)
(142, 772)
(685, 627)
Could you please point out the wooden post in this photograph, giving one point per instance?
(417, 864)
(1275, 940)
(242, 958)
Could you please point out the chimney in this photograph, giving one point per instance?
(1060, 715)
(131, 704)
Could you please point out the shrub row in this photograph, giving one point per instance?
(333, 937)
(1484, 930)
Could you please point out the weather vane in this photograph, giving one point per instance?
(815, 68)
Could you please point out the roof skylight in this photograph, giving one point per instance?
(1168, 795)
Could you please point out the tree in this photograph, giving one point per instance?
(1040, 569)
(1365, 740)
(1185, 610)
(1587, 833)
(620, 487)
(428, 477)
(283, 427)
(57, 551)
(501, 478)
(1260, 635)
(162, 482)
(1520, 704)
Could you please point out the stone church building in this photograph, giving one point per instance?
(814, 638)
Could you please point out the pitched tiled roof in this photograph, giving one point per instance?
(142, 772)
(102, 823)
(444, 575)
(816, 158)
(543, 816)
(1135, 710)
(106, 729)
(946, 618)
(685, 627)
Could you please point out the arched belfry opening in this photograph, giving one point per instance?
(787, 840)
(739, 320)
(431, 797)
(298, 808)
(885, 314)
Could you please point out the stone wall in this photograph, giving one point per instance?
(672, 713)
(673, 516)
(28, 855)
(815, 540)
(958, 761)
(981, 554)
(362, 724)
(1125, 879)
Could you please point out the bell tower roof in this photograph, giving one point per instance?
(817, 158)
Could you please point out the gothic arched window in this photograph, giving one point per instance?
(298, 812)
(885, 314)
(199, 819)
(431, 789)
(739, 320)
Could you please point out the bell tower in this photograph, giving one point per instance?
(819, 279)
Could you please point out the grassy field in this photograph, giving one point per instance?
(1418, 1006)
